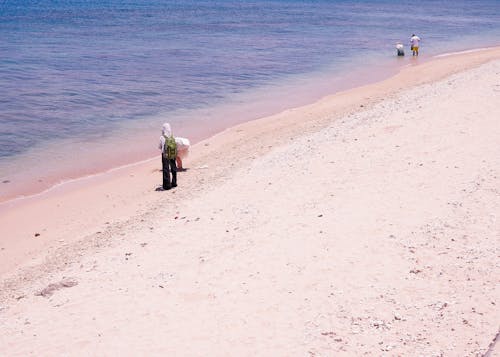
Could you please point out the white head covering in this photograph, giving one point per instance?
(166, 130)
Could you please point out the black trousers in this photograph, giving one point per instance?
(169, 166)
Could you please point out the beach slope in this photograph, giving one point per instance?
(374, 231)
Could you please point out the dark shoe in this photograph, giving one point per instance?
(174, 185)
(166, 188)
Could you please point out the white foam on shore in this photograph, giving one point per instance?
(447, 54)
(74, 180)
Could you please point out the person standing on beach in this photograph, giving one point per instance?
(414, 43)
(168, 149)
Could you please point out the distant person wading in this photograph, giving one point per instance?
(414, 43)
(168, 149)
(400, 49)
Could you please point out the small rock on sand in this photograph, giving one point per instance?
(51, 288)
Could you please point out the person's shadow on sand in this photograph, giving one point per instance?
(161, 189)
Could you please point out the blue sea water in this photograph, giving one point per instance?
(83, 69)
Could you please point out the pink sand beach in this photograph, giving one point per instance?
(366, 223)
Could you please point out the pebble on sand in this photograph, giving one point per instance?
(51, 288)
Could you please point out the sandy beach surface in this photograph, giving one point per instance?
(364, 224)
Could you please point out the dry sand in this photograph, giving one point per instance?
(364, 224)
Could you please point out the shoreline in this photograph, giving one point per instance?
(106, 167)
(127, 192)
(351, 226)
(93, 164)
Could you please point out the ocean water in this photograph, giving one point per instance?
(86, 85)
